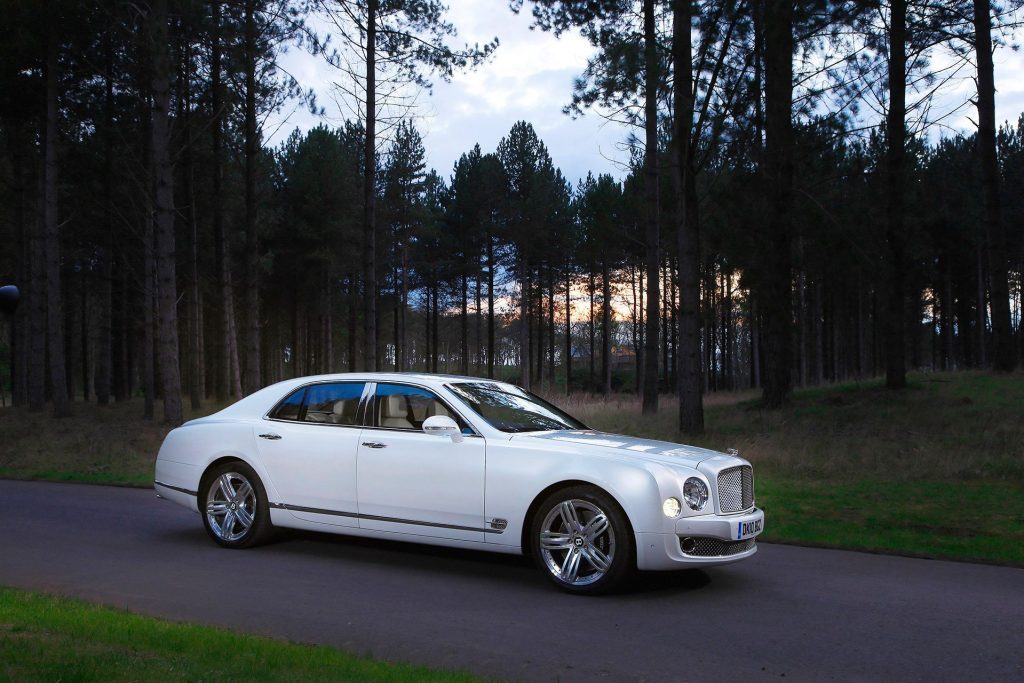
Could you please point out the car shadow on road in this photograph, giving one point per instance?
(461, 563)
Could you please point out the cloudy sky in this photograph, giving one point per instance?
(530, 77)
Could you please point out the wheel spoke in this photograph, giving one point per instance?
(553, 540)
(242, 493)
(595, 527)
(226, 488)
(228, 525)
(597, 559)
(216, 508)
(569, 516)
(244, 518)
(571, 567)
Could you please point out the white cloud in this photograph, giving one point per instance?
(530, 78)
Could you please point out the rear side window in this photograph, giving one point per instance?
(291, 407)
(336, 403)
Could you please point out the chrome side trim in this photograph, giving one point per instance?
(378, 518)
(175, 488)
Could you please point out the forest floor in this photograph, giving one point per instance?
(936, 470)
(45, 638)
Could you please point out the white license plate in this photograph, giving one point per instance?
(749, 528)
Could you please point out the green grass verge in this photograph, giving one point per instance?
(981, 521)
(44, 638)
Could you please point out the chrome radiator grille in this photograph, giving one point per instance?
(736, 489)
(715, 547)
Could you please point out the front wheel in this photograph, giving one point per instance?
(234, 506)
(581, 541)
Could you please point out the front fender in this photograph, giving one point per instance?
(518, 472)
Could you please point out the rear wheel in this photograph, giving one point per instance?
(234, 506)
(581, 541)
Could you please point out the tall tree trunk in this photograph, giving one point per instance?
(195, 368)
(37, 312)
(1004, 356)
(163, 177)
(524, 325)
(403, 337)
(895, 130)
(688, 363)
(981, 308)
(105, 298)
(551, 325)
(370, 194)
(352, 300)
(84, 332)
(464, 327)
(650, 397)
(426, 332)
(434, 325)
(20, 321)
(490, 306)
(51, 230)
(538, 306)
(148, 293)
(252, 380)
(568, 330)
(606, 328)
(776, 267)
(591, 332)
(478, 325)
(228, 381)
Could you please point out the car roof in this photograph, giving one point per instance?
(424, 376)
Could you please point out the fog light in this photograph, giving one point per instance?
(695, 493)
(671, 507)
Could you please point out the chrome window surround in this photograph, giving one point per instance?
(368, 417)
(360, 410)
(365, 401)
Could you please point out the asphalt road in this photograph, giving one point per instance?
(798, 613)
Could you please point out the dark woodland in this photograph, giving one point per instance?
(796, 209)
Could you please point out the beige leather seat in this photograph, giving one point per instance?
(393, 414)
(437, 408)
(345, 412)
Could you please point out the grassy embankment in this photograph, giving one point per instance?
(44, 638)
(935, 470)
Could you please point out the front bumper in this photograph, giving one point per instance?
(735, 534)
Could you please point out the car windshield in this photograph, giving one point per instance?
(511, 409)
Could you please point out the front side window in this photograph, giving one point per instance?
(399, 406)
(510, 409)
(336, 403)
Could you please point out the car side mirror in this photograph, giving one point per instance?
(9, 296)
(442, 425)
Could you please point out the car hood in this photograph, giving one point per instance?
(651, 450)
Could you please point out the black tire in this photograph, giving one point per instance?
(212, 496)
(587, 502)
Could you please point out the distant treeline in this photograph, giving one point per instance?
(765, 234)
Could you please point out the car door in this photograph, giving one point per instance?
(415, 483)
(309, 445)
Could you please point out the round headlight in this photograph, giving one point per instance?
(695, 493)
(671, 507)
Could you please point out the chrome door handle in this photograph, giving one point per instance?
(374, 444)
(272, 437)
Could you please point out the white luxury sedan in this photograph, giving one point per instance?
(458, 461)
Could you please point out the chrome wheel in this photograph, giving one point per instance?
(577, 542)
(231, 506)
